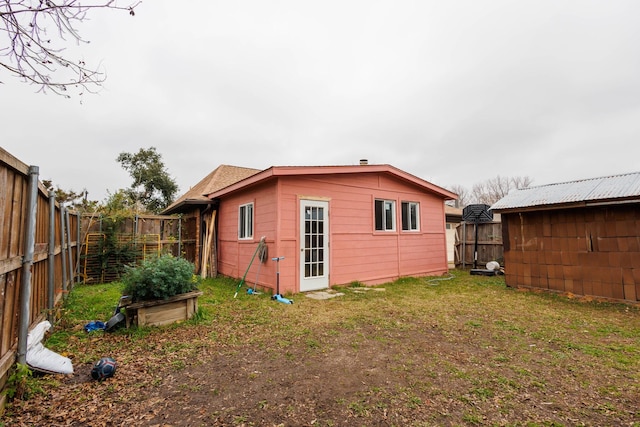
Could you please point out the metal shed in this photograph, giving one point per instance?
(580, 237)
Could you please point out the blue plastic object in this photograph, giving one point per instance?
(281, 299)
(94, 325)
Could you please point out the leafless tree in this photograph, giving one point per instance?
(490, 191)
(521, 182)
(32, 38)
(463, 196)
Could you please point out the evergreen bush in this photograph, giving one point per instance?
(159, 278)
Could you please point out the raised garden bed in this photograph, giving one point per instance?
(163, 311)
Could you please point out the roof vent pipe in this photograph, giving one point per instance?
(364, 162)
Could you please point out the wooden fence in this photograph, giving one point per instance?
(45, 249)
(38, 256)
(133, 239)
(489, 244)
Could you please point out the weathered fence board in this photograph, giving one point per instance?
(489, 244)
(14, 193)
(133, 239)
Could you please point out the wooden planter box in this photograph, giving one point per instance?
(163, 312)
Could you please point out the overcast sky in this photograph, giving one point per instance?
(454, 92)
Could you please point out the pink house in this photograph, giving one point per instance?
(333, 225)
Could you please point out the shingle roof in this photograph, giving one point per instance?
(615, 188)
(219, 178)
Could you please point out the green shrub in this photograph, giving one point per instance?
(17, 384)
(159, 278)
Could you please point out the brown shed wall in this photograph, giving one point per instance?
(593, 251)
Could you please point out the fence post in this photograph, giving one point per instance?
(27, 263)
(78, 245)
(62, 252)
(464, 245)
(51, 256)
(180, 236)
(69, 249)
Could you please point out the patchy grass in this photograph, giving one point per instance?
(455, 350)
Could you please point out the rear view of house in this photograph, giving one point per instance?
(198, 213)
(333, 225)
(580, 237)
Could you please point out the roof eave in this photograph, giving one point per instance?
(556, 206)
(275, 171)
(189, 202)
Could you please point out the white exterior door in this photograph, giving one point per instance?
(314, 245)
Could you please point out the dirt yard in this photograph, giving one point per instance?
(466, 353)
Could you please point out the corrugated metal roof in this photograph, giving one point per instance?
(608, 188)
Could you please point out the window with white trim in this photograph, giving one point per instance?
(410, 216)
(245, 221)
(385, 215)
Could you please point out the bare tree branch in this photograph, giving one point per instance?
(463, 196)
(490, 191)
(28, 52)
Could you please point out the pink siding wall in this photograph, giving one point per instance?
(234, 255)
(357, 251)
